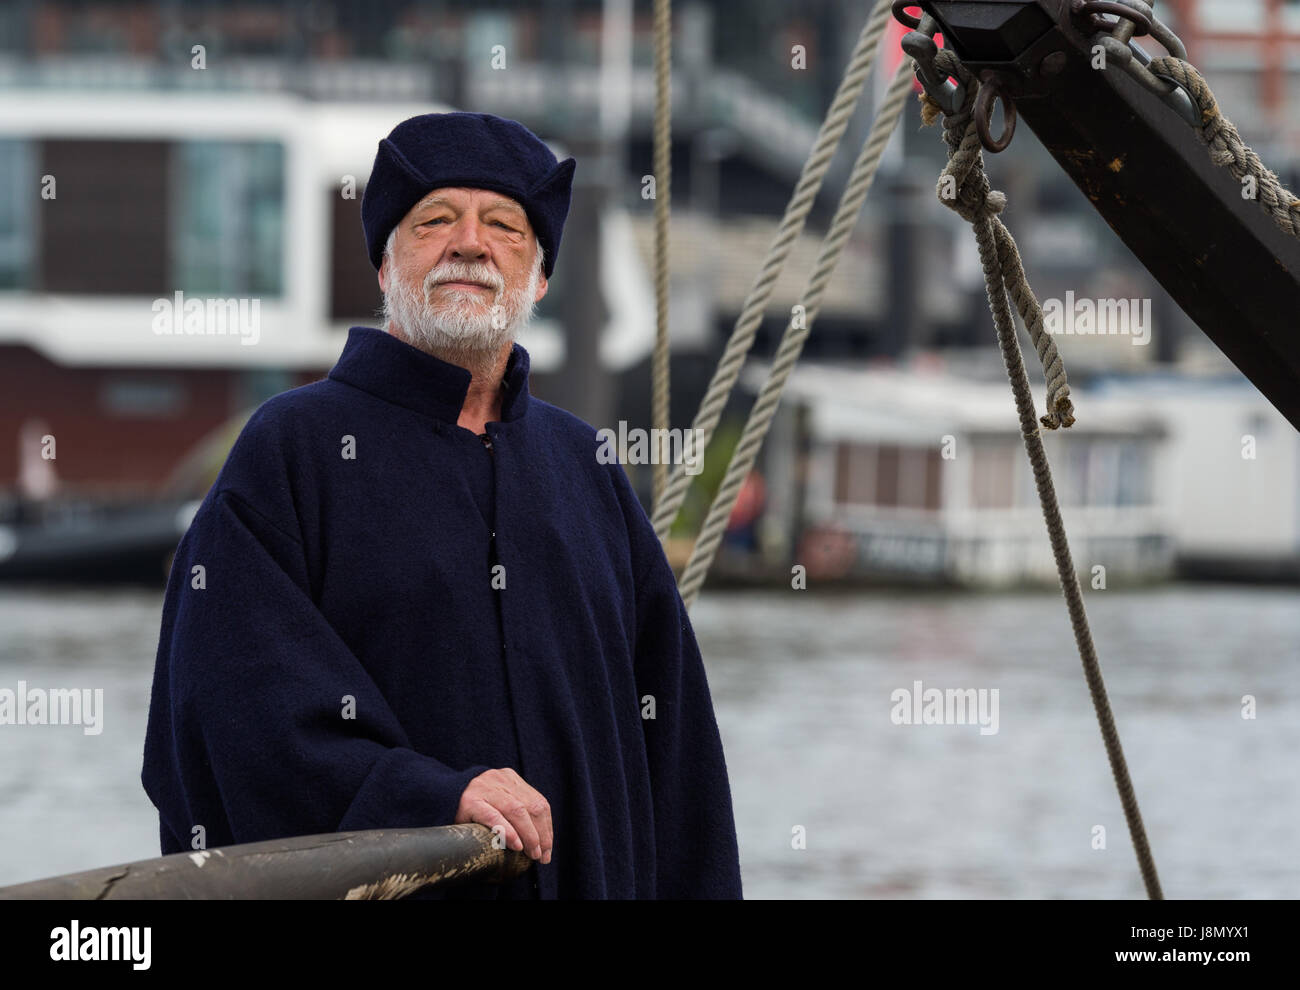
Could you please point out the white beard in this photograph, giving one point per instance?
(467, 327)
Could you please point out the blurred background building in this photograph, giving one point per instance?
(220, 150)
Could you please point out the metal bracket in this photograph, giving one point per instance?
(919, 43)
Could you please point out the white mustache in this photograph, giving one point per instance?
(463, 273)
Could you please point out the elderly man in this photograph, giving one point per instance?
(414, 596)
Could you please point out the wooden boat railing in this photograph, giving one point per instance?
(380, 864)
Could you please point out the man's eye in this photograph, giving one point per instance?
(500, 224)
(433, 221)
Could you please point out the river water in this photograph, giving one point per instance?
(833, 797)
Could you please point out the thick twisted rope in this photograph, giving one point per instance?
(792, 223)
(980, 205)
(796, 333)
(963, 187)
(1226, 146)
(663, 187)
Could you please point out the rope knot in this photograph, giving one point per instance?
(973, 200)
(964, 188)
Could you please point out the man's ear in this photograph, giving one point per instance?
(541, 288)
(383, 275)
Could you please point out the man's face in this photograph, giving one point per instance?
(462, 272)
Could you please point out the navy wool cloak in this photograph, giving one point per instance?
(348, 549)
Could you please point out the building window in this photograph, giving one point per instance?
(1134, 473)
(152, 397)
(887, 475)
(20, 192)
(918, 478)
(1231, 16)
(1291, 16)
(1103, 468)
(993, 475)
(888, 468)
(105, 231)
(149, 217)
(855, 474)
(228, 218)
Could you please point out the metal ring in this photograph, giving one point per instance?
(1171, 42)
(988, 94)
(902, 16)
(1142, 23)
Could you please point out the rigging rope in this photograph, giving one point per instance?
(796, 333)
(1226, 146)
(663, 188)
(792, 223)
(979, 204)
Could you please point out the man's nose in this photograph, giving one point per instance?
(467, 242)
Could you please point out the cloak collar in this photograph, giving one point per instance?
(388, 367)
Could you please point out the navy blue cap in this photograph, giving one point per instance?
(480, 150)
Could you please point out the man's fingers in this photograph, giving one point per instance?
(541, 812)
(517, 812)
(502, 799)
(487, 815)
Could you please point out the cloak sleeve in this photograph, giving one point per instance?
(695, 833)
(263, 723)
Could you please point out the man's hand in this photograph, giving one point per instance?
(502, 798)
